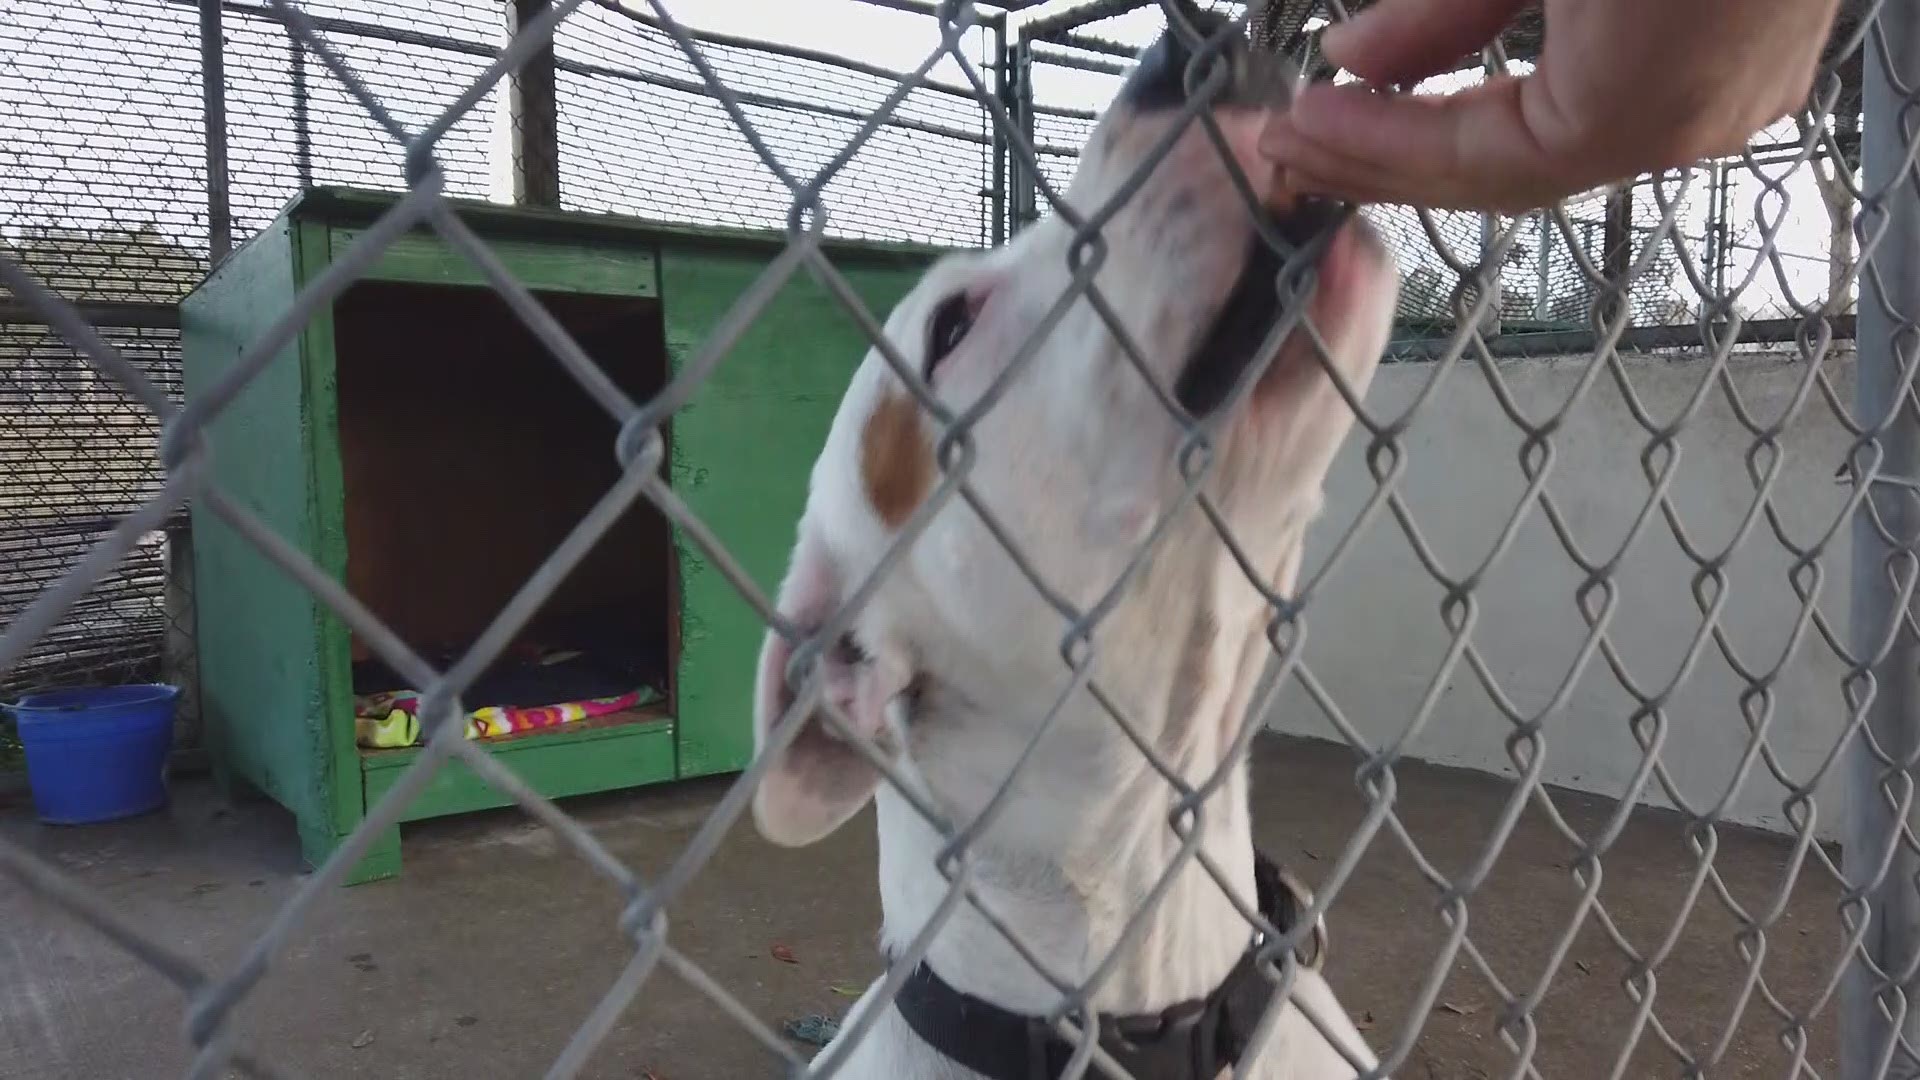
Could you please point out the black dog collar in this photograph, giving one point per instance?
(1192, 1040)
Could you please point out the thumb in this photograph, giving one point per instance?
(1404, 41)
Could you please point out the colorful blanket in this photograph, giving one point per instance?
(387, 720)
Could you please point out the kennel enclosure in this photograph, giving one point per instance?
(427, 452)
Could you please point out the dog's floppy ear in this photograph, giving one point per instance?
(818, 780)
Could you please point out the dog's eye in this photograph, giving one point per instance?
(951, 321)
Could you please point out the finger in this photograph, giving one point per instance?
(1310, 168)
(1404, 41)
(1475, 149)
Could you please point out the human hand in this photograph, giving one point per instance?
(1621, 87)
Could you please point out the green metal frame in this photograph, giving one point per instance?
(275, 664)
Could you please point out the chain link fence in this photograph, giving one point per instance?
(1071, 59)
(125, 110)
(107, 225)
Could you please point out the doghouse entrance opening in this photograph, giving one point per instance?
(467, 455)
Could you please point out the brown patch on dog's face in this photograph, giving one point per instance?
(896, 464)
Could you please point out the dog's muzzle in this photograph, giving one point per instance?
(1166, 74)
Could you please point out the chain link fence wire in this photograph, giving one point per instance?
(104, 197)
(643, 135)
(370, 113)
(1542, 285)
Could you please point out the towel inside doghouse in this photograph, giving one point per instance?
(532, 687)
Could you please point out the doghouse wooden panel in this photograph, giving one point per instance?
(742, 451)
(576, 268)
(261, 637)
(397, 395)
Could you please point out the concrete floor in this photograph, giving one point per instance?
(483, 956)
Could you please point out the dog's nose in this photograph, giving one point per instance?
(1160, 80)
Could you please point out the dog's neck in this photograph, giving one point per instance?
(1084, 838)
(1072, 906)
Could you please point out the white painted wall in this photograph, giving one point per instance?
(1375, 634)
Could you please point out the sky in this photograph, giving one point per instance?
(107, 127)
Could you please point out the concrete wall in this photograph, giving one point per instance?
(1376, 639)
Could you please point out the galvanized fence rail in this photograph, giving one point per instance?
(1877, 749)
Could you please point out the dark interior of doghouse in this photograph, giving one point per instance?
(468, 454)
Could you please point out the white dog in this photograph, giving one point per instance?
(955, 660)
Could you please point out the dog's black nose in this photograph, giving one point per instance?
(1160, 79)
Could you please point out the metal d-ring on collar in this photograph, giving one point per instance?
(1192, 1040)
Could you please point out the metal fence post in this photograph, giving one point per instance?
(533, 96)
(1889, 301)
(1616, 239)
(1022, 203)
(302, 112)
(1720, 227)
(213, 95)
(1543, 281)
(181, 662)
(180, 656)
(1002, 175)
(1491, 273)
(1492, 65)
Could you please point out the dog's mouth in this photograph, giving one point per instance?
(1233, 340)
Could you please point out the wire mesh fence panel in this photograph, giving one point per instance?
(291, 124)
(1542, 286)
(1057, 135)
(1068, 82)
(79, 456)
(100, 156)
(108, 201)
(925, 176)
(1689, 573)
(102, 198)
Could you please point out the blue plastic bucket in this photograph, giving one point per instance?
(97, 754)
